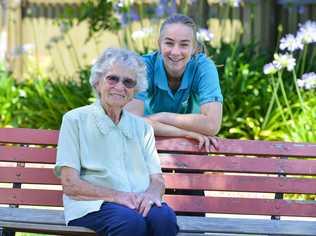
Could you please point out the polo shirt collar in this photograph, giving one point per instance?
(162, 81)
(105, 124)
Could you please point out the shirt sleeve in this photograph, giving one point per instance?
(151, 154)
(68, 153)
(208, 87)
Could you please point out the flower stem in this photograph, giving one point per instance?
(298, 91)
(304, 60)
(285, 98)
(276, 85)
(275, 88)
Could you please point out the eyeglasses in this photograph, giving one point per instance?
(114, 79)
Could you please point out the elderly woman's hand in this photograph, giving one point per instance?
(127, 199)
(146, 201)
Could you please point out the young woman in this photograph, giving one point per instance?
(183, 98)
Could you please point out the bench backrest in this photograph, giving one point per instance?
(242, 177)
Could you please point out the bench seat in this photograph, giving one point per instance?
(52, 221)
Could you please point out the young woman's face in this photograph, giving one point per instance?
(176, 44)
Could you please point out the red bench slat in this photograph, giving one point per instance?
(210, 182)
(248, 206)
(179, 203)
(187, 162)
(28, 154)
(243, 147)
(238, 164)
(28, 136)
(28, 175)
(36, 197)
(258, 184)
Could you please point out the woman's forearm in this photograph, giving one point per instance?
(80, 189)
(191, 122)
(161, 129)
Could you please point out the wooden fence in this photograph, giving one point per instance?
(31, 28)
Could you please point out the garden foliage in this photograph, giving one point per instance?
(261, 101)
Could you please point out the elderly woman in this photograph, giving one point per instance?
(107, 160)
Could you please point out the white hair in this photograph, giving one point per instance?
(123, 57)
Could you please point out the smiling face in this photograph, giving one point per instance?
(176, 44)
(115, 95)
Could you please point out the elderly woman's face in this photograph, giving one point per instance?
(117, 87)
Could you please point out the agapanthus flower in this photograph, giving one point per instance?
(291, 43)
(64, 27)
(122, 4)
(269, 69)
(172, 8)
(233, 3)
(143, 33)
(284, 61)
(159, 11)
(204, 35)
(307, 32)
(308, 81)
(166, 7)
(191, 1)
(128, 17)
(24, 49)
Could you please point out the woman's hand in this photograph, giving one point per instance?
(127, 199)
(146, 201)
(206, 141)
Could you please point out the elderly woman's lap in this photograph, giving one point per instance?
(118, 220)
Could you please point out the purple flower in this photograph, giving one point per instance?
(172, 8)
(166, 8)
(133, 15)
(160, 11)
(123, 19)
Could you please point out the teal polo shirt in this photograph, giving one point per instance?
(199, 85)
(120, 157)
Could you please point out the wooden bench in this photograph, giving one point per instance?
(242, 178)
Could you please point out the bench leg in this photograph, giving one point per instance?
(6, 232)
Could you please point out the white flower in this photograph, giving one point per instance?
(307, 32)
(290, 43)
(233, 3)
(143, 33)
(22, 93)
(284, 61)
(269, 69)
(23, 49)
(308, 81)
(300, 83)
(204, 35)
(64, 27)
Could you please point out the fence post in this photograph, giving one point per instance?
(3, 29)
(269, 25)
(15, 38)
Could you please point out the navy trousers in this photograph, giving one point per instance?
(117, 220)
